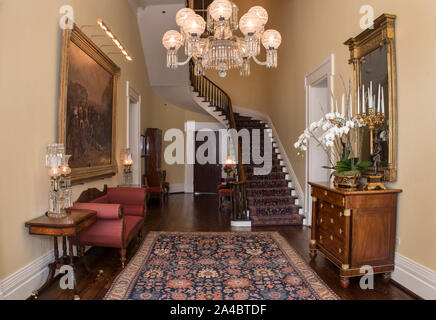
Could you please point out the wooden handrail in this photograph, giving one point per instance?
(219, 99)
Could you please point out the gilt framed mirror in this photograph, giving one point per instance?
(373, 56)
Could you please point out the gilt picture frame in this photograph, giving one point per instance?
(89, 82)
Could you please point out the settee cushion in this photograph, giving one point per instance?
(133, 210)
(132, 223)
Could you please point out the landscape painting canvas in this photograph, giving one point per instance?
(89, 84)
(89, 111)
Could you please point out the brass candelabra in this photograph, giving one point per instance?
(372, 120)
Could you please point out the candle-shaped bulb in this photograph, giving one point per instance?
(363, 100)
(379, 97)
(358, 101)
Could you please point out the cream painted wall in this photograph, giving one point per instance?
(29, 77)
(313, 29)
(167, 116)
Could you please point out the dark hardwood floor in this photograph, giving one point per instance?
(200, 213)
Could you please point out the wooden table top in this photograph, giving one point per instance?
(73, 219)
(329, 186)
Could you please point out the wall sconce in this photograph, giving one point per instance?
(114, 39)
(127, 162)
(59, 171)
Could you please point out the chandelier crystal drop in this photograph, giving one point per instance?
(212, 44)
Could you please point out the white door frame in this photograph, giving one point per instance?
(326, 70)
(133, 95)
(190, 128)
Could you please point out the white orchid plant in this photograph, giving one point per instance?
(335, 133)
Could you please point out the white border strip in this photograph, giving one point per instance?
(415, 277)
(21, 284)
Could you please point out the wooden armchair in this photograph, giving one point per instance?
(155, 184)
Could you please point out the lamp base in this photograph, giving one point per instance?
(374, 183)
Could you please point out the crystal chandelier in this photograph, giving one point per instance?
(219, 48)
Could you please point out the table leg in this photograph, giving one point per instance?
(51, 273)
(81, 254)
(70, 245)
(64, 249)
(56, 249)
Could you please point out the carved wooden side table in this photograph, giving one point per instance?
(68, 228)
(354, 229)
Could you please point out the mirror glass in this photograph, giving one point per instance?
(374, 68)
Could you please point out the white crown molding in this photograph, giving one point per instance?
(415, 277)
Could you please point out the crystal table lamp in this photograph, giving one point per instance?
(60, 193)
(127, 162)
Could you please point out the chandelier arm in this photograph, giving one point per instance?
(259, 62)
(184, 62)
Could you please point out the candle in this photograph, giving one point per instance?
(382, 101)
(343, 105)
(358, 101)
(337, 110)
(378, 102)
(369, 99)
(351, 107)
(363, 99)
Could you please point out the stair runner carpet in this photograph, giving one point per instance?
(270, 199)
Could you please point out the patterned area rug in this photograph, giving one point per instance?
(218, 266)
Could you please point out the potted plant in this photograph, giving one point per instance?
(335, 133)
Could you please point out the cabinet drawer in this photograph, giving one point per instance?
(331, 243)
(329, 196)
(331, 218)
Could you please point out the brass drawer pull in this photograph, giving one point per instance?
(320, 220)
(320, 237)
(341, 214)
(331, 220)
(340, 250)
(325, 193)
(332, 206)
(321, 205)
(341, 231)
(331, 237)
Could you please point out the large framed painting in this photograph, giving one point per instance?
(87, 107)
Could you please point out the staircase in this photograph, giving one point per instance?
(265, 200)
(271, 200)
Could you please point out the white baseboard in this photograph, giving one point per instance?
(415, 277)
(284, 157)
(177, 188)
(21, 284)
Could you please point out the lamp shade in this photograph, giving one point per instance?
(260, 13)
(271, 39)
(250, 24)
(221, 9)
(172, 40)
(194, 25)
(182, 15)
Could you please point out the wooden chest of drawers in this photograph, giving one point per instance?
(354, 229)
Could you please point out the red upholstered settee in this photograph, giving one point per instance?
(120, 217)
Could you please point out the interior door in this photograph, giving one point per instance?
(207, 176)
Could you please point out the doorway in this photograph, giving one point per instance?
(134, 132)
(319, 86)
(207, 176)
